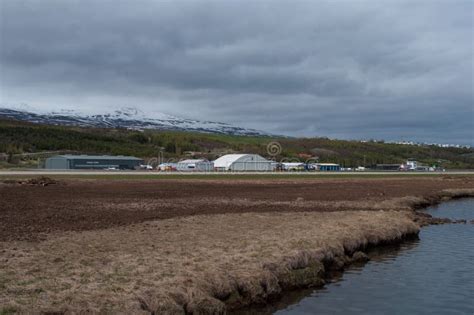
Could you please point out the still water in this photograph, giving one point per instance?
(432, 275)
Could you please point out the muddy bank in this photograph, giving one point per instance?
(424, 219)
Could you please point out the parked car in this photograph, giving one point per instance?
(146, 167)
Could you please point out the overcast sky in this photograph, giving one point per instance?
(342, 69)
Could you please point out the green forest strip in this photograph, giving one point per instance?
(26, 144)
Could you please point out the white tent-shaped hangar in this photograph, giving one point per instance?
(243, 163)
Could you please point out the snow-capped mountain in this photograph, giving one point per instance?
(129, 117)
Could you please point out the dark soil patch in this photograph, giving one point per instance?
(29, 211)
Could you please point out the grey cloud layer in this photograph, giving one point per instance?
(351, 69)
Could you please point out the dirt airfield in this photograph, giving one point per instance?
(30, 212)
(191, 245)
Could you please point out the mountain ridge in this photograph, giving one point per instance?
(125, 117)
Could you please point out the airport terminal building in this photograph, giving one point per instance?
(70, 162)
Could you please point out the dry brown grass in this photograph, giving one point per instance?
(416, 202)
(299, 204)
(195, 264)
(457, 193)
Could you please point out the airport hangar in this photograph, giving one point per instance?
(66, 162)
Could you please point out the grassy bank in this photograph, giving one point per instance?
(201, 264)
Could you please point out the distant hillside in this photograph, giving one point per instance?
(23, 142)
(129, 118)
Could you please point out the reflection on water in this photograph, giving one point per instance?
(434, 275)
(454, 209)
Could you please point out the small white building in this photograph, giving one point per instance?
(412, 164)
(243, 163)
(198, 165)
(327, 167)
(293, 166)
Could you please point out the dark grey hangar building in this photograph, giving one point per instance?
(70, 162)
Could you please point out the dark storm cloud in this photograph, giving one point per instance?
(351, 69)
